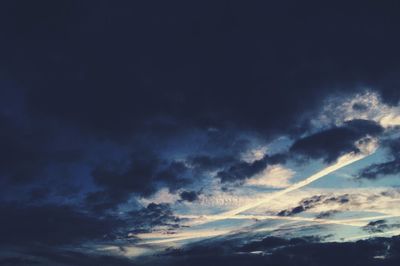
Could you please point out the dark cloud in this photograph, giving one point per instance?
(39, 193)
(133, 176)
(145, 219)
(376, 226)
(104, 200)
(390, 167)
(379, 226)
(311, 202)
(114, 74)
(304, 205)
(380, 169)
(52, 225)
(270, 251)
(158, 81)
(326, 214)
(210, 163)
(275, 242)
(281, 251)
(341, 199)
(334, 142)
(140, 175)
(61, 257)
(243, 170)
(26, 151)
(189, 196)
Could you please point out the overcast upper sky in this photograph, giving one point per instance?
(199, 132)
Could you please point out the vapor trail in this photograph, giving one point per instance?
(342, 162)
(350, 222)
(151, 238)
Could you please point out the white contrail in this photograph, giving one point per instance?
(183, 236)
(161, 238)
(350, 222)
(343, 161)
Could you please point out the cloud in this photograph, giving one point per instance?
(326, 214)
(141, 175)
(334, 142)
(151, 217)
(390, 167)
(274, 176)
(203, 163)
(189, 196)
(314, 201)
(282, 251)
(367, 105)
(381, 169)
(27, 152)
(366, 148)
(254, 154)
(52, 225)
(243, 170)
(163, 195)
(379, 226)
(60, 257)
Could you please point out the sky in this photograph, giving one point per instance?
(199, 133)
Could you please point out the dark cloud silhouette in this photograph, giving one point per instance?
(243, 170)
(296, 251)
(334, 142)
(52, 225)
(26, 151)
(134, 176)
(61, 257)
(381, 169)
(390, 167)
(326, 214)
(275, 242)
(151, 216)
(379, 226)
(311, 202)
(104, 200)
(189, 196)
(253, 83)
(139, 175)
(210, 163)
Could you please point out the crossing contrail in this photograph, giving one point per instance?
(343, 161)
(161, 238)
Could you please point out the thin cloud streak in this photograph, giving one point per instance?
(343, 161)
(166, 238)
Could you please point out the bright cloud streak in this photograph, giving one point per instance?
(275, 176)
(151, 238)
(186, 236)
(341, 162)
(366, 148)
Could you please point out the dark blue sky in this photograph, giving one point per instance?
(123, 121)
